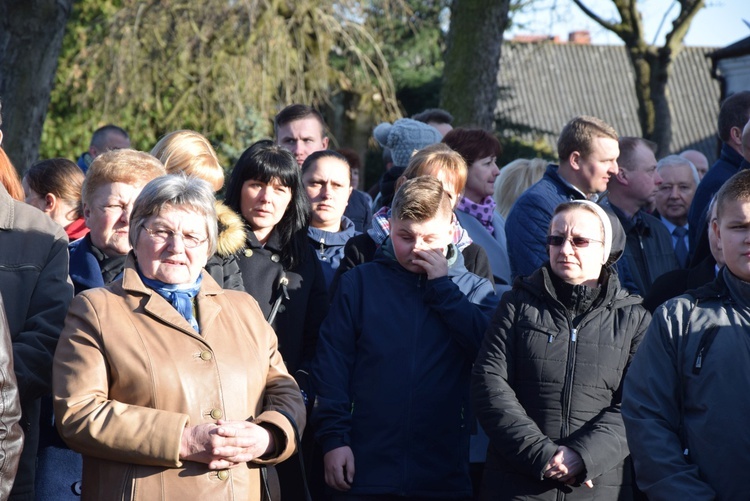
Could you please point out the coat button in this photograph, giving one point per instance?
(275, 258)
(282, 308)
(248, 252)
(216, 413)
(223, 474)
(206, 355)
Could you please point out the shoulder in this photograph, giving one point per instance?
(543, 196)
(34, 223)
(97, 297)
(656, 225)
(362, 244)
(359, 198)
(239, 299)
(667, 286)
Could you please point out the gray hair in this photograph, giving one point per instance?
(179, 191)
(675, 160)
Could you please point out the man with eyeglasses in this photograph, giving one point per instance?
(679, 179)
(648, 251)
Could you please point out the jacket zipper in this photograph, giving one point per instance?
(568, 384)
(644, 259)
(322, 248)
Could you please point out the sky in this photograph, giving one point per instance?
(718, 24)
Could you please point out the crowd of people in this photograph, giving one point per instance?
(460, 331)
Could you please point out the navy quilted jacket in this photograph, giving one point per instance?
(539, 382)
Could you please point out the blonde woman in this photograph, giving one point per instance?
(514, 179)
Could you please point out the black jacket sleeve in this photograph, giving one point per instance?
(512, 433)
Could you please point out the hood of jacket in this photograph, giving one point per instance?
(333, 238)
(231, 231)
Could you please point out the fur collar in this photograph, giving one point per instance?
(231, 231)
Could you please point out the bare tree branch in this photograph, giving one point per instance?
(613, 27)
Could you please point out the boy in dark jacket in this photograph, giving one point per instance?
(394, 358)
(685, 402)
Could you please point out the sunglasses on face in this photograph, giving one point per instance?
(557, 241)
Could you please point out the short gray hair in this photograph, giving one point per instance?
(179, 191)
(675, 160)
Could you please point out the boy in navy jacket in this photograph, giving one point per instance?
(394, 359)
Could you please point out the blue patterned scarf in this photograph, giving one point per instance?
(179, 295)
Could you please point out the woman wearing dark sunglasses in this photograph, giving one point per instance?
(548, 381)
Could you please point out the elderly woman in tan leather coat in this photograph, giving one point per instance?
(170, 386)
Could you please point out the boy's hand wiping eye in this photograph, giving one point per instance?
(433, 262)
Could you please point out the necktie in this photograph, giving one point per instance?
(680, 249)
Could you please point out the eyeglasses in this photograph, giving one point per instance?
(161, 235)
(557, 241)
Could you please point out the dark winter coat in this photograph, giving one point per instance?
(359, 210)
(36, 294)
(649, 252)
(677, 282)
(301, 295)
(222, 266)
(688, 389)
(539, 382)
(392, 374)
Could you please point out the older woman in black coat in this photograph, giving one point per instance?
(547, 384)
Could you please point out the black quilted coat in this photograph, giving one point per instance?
(550, 375)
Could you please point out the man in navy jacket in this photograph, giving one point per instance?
(588, 152)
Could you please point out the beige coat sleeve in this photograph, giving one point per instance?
(281, 393)
(91, 423)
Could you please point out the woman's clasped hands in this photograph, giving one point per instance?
(225, 444)
(565, 466)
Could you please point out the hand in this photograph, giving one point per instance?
(225, 446)
(197, 442)
(245, 441)
(339, 468)
(432, 261)
(565, 466)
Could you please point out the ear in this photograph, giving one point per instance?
(50, 202)
(325, 143)
(622, 176)
(351, 188)
(1, 137)
(86, 212)
(735, 136)
(399, 182)
(93, 151)
(717, 231)
(574, 160)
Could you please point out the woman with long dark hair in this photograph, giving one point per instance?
(279, 267)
